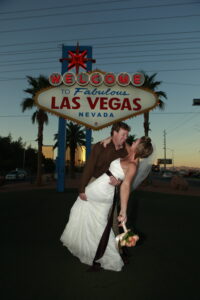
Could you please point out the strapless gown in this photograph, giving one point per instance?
(88, 219)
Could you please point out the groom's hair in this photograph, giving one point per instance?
(119, 125)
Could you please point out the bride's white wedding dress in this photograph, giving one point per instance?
(88, 219)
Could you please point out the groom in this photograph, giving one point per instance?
(101, 157)
(99, 162)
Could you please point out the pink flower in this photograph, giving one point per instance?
(129, 239)
(136, 237)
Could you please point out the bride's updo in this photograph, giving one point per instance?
(144, 148)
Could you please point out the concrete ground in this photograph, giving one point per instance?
(156, 185)
(35, 265)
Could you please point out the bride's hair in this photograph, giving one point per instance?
(144, 148)
(146, 152)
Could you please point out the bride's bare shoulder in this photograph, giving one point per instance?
(130, 173)
(132, 167)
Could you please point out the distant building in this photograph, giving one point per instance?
(80, 154)
(48, 151)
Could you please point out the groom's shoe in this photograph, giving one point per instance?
(125, 259)
(96, 267)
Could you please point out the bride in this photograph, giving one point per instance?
(88, 219)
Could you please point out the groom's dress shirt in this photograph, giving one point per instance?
(99, 162)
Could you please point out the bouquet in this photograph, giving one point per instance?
(127, 238)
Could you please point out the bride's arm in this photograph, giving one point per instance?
(106, 141)
(125, 192)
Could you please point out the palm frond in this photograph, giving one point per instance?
(34, 116)
(42, 116)
(161, 94)
(152, 85)
(161, 105)
(27, 103)
(75, 135)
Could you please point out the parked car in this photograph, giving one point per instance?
(196, 175)
(167, 174)
(183, 173)
(16, 175)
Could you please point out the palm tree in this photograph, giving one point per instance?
(131, 138)
(151, 84)
(39, 116)
(75, 136)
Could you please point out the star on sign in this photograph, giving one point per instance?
(77, 59)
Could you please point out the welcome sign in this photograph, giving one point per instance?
(96, 100)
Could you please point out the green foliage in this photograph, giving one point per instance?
(35, 85)
(39, 116)
(49, 165)
(131, 138)
(31, 159)
(75, 136)
(153, 85)
(12, 154)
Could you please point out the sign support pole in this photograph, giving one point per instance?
(60, 161)
(88, 130)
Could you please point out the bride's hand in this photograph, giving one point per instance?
(122, 218)
(83, 196)
(114, 181)
(106, 141)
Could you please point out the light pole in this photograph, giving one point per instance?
(164, 134)
(172, 150)
(24, 156)
(24, 152)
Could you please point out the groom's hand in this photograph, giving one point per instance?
(114, 181)
(83, 196)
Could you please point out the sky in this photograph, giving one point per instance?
(161, 36)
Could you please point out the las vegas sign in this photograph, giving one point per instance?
(96, 100)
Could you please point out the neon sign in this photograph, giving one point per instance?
(97, 78)
(96, 99)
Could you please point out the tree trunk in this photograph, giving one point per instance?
(146, 124)
(39, 162)
(72, 161)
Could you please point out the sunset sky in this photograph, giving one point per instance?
(160, 37)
